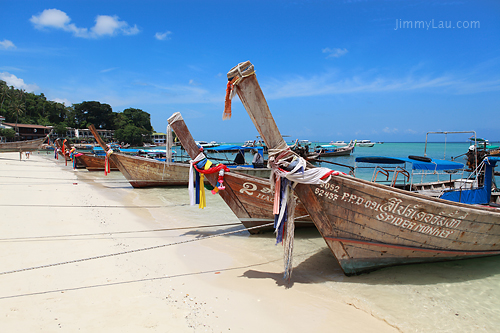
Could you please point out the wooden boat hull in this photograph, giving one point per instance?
(251, 200)
(22, 146)
(248, 196)
(342, 151)
(256, 172)
(95, 163)
(65, 153)
(147, 172)
(368, 226)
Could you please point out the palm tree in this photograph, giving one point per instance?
(17, 105)
(4, 90)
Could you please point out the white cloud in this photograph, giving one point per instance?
(51, 18)
(330, 83)
(105, 25)
(108, 69)
(163, 36)
(334, 53)
(62, 101)
(16, 82)
(6, 44)
(131, 30)
(390, 130)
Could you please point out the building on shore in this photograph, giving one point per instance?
(31, 131)
(159, 139)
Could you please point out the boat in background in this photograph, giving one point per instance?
(338, 143)
(332, 150)
(145, 172)
(205, 144)
(367, 225)
(303, 149)
(23, 146)
(95, 163)
(478, 150)
(413, 173)
(364, 143)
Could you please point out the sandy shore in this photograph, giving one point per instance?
(133, 281)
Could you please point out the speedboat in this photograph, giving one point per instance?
(364, 143)
(338, 143)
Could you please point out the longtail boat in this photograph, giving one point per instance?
(95, 163)
(58, 144)
(249, 197)
(69, 153)
(145, 172)
(23, 146)
(367, 225)
(84, 160)
(332, 150)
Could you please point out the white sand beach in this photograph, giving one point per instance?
(75, 256)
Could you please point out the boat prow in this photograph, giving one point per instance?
(367, 225)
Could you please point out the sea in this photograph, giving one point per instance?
(455, 296)
(450, 151)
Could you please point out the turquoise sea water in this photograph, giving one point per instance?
(437, 150)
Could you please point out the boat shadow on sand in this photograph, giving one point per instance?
(319, 266)
(322, 267)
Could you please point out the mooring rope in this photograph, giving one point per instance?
(89, 206)
(121, 232)
(132, 251)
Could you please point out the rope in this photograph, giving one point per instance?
(90, 206)
(120, 232)
(191, 190)
(168, 146)
(130, 251)
(107, 167)
(234, 76)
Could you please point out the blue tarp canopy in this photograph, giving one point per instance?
(122, 150)
(416, 164)
(480, 195)
(229, 148)
(493, 159)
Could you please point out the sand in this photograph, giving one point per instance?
(74, 257)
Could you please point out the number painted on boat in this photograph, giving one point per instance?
(263, 193)
(396, 212)
(248, 188)
(332, 187)
(328, 195)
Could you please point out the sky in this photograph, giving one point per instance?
(382, 70)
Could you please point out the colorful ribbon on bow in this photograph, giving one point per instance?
(202, 166)
(107, 168)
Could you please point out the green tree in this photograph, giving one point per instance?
(4, 91)
(133, 126)
(17, 106)
(100, 115)
(131, 134)
(9, 133)
(60, 129)
(138, 118)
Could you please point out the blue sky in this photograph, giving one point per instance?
(330, 70)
